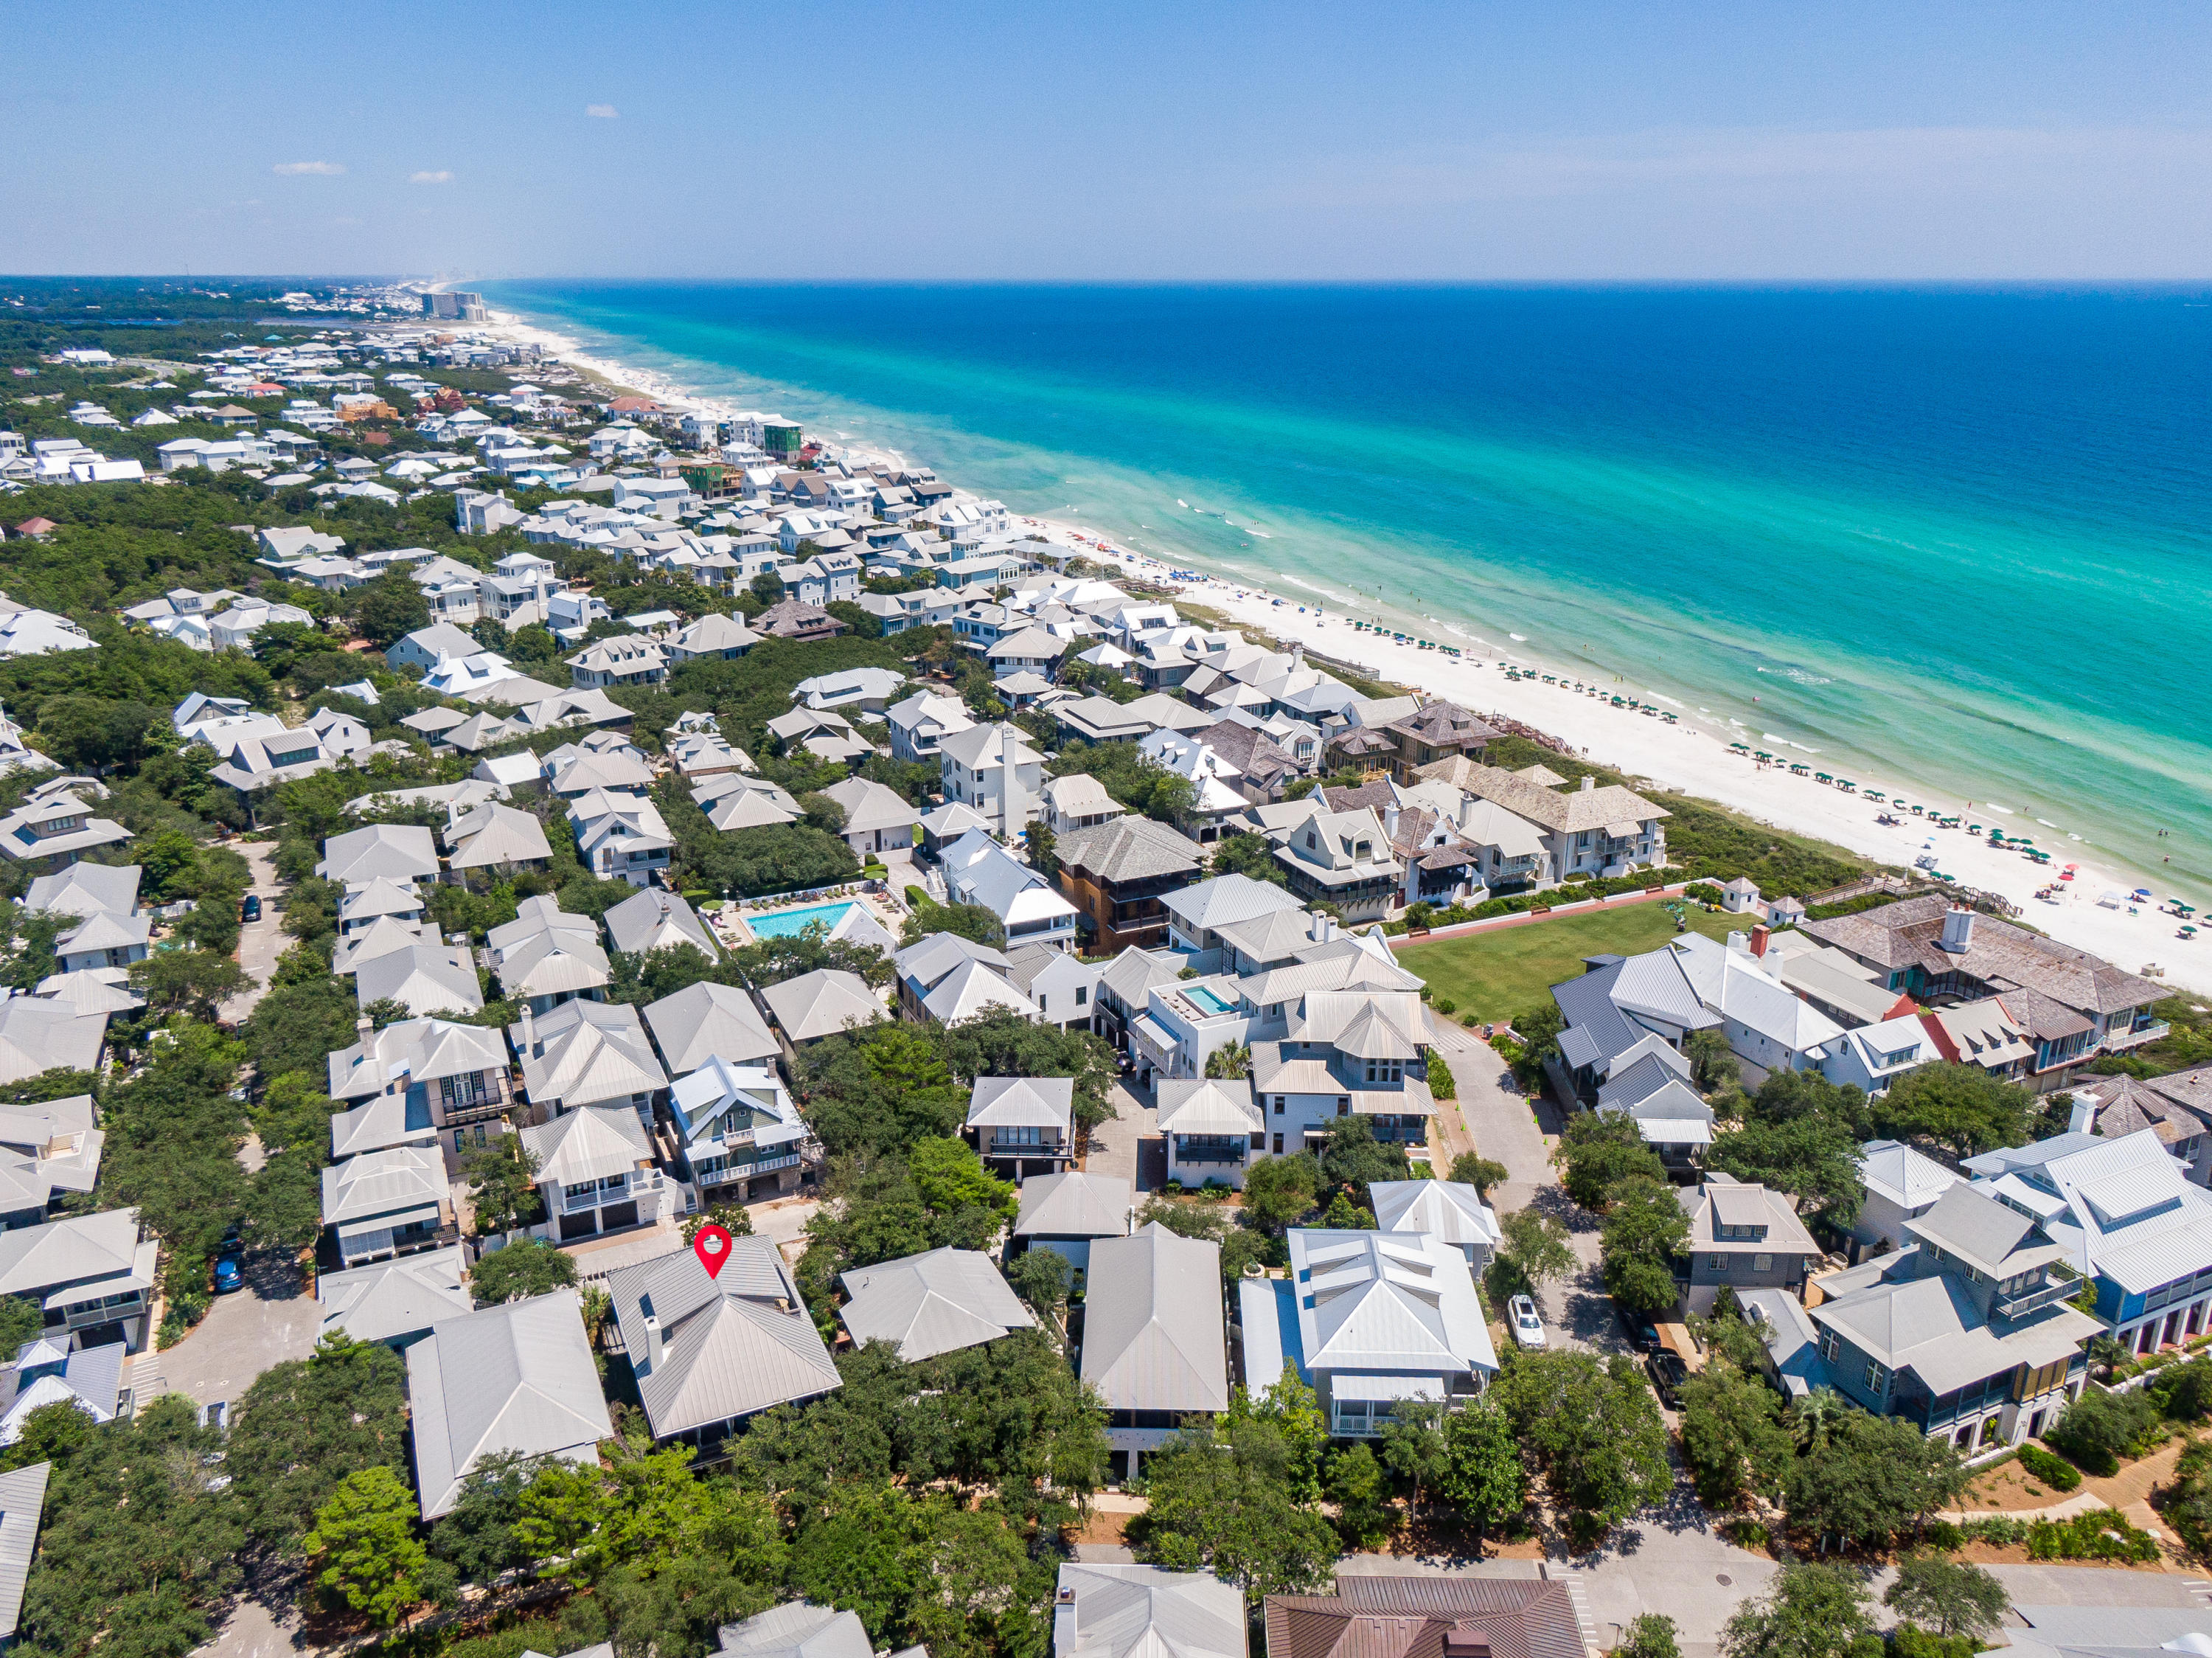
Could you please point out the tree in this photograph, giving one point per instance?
(1484, 1482)
(1360, 1488)
(1345, 1215)
(1539, 1029)
(768, 588)
(1221, 1501)
(1644, 1230)
(503, 1178)
(1733, 1440)
(1248, 855)
(1043, 1277)
(1472, 1168)
(1811, 1611)
(1535, 1249)
(1959, 1108)
(1814, 1419)
(1231, 1062)
(477, 1537)
(1280, 1192)
(1813, 1158)
(525, 1268)
(1956, 1596)
(389, 608)
(1293, 1410)
(1004, 1044)
(1593, 1429)
(951, 1177)
(362, 1550)
(1414, 1448)
(1712, 1061)
(1649, 1635)
(1875, 1477)
(2099, 1428)
(1040, 842)
(1354, 1158)
(306, 1423)
(1598, 1150)
(190, 982)
(730, 1217)
(2188, 1500)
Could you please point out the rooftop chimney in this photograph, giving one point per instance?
(1958, 930)
(656, 1350)
(2083, 1115)
(1589, 783)
(1465, 1643)
(1063, 1623)
(1759, 936)
(529, 1032)
(364, 1027)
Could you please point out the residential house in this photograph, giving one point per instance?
(92, 1276)
(499, 840)
(1450, 1211)
(426, 978)
(1763, 1021)
(793, 619)
(705, 1022)
(586, 1053)
(1212, 1130)
(979, 871)
(1153, 1343)
(1455, 1616)
(392, 1202)
(596, 1173)
(920, 725)
(854, 690)
(1059, 983)
(1966, 1332)
(417, 1080)
(992, 770)
(1900, 1184)
(1594, 831)
(2075, 1006)
(621, 837)
(54, 826)
(1869, 1058)
(1020, 1125)
(1437, 731)
(608, 662)
(1118, 872)
(2129, 1218)
(742, 1140)
(1196, 913)
(940, 1301)
(1106, 1611)
(1342, 859)
(1369, 1320)
(876, 819)
(2176, 1107)
(657, 920)
(1744, 1237)
(820, 1003)
(1349, 1052)
(395, 1301)
(1077, 801)
(517, 1380)
(389, 851)
(708, 1353)
(1067, 1213)
(715, 635)
(432, 647)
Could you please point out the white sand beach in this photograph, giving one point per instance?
(1691, 756)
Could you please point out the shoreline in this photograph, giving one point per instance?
(1691, 756)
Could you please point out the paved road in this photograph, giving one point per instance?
(1129, 1145)
(271, 1320)
(259, 942)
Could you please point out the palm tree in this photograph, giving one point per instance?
(1231, 1064)
(1813, 1417)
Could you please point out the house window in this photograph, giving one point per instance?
(1279, 1145)
(1343, 1105)
(1041, 1002)
(1385, 1071)
(1280, 1103)
(1082, 995)
(1762, 1264)
(1717, 1262)
(1830, 1346)
(1877, 1377)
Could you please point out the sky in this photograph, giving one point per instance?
(1542, 140)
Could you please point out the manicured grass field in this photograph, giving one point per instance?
(1495, 975)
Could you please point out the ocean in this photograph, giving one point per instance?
(1955, 538)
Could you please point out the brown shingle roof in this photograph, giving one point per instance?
(1577, 810)
(1906, 934)
(1410, 1617)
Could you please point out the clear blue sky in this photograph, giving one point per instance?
(1545, 139)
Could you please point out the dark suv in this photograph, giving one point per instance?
(1668, 1373)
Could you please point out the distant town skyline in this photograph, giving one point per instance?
(1578, 141)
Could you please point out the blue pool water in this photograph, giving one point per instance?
(785, 924)
(1209, 1000)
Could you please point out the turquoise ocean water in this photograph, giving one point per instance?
(1959, 539)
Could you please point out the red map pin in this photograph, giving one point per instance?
(712, 1246)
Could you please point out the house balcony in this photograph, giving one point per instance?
(2020, 1303)
(2121, 1041)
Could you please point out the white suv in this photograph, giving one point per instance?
(1527, 1325)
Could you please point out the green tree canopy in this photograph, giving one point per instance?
(1811, 1611)
(1598, 1150)
(1956, 1597)
(305, 1424)
(1593, 1429)
(523, 1269)
(1960, 1107)
(364, 1551)
(1644, 1230)
(1221, 1500)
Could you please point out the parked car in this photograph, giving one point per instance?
(1668, 1373)
(229, 1274)
(1643, 1334)
(250, 910)
(1528, 1323)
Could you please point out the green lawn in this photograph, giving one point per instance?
(1495, 975)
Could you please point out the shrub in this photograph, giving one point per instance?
(1746, 1533)
(2099, 1535)
(2099, 1428)
(1440, 1077)
(2053, 1470)
(1702, 891)
(1944, 1534)
(1911, 1641)
(1445, 1004)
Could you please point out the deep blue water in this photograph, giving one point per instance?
(1958, 536)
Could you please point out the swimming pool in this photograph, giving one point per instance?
(784, 924)
(1208, 1001)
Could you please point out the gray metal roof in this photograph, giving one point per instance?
(732, 1345)
(578, 1147)
(394, 1300)
(822, 1002)
(1153, 1337)
(797, 1629)
(705, 1022)
(37, 1258)
(1022, 1102)
(1111, 1611)
(1449, 1209)
(1225, 899)
(23, 1498)
(518, 1378)
(931, 1303)
(1074, 1205)
(655, 920)
(426, 978)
